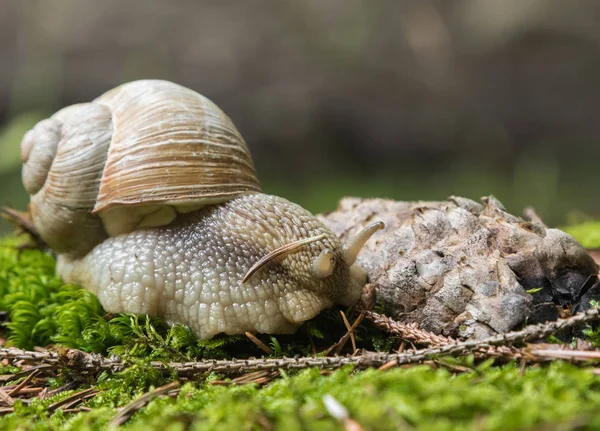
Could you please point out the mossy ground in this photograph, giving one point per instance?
(41, 310)
(487, 398)
(587, 233)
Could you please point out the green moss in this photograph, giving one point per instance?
(495, 398)
(587, 233)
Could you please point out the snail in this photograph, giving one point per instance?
(148, 196)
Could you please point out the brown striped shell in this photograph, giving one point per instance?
(135, 157)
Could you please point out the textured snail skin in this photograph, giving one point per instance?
(190, 272)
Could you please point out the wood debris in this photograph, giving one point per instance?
(500, 346)
(408, 332)
(5, 398)
(574, 355)
(23, 384)
(73, 400)
(125, 413)
(35, 385)
(262, 346)
(257, 377)
(337, 347)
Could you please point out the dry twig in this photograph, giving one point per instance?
(73, 400)
(419, 336)
(350, 330)
(407, 332)
(497, 346)
(4, 397)
(262, 346)
(390, 364)
(24, 383)
(257, 377)
(5, 378)
(129, 410)
(575, 355)
(337, 347)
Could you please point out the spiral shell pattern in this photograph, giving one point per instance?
(135, 157)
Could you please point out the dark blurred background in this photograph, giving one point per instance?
(394, 98)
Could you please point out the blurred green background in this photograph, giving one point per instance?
(389, 98)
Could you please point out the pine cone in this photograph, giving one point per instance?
(465, 269)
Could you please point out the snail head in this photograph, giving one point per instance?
(323, 262)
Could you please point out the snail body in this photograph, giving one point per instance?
(149, 197)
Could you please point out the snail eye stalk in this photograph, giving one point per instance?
(354, 244)
(323, 265)
(284, 250)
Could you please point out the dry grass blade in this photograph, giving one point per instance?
(337, 347)
(6, 410)
(258, 377)
(72, 399)
(43, 394)
(125, 413)
(576, 355)
(452, 367)
(31, 390)
(79, 400)
(4, 397)
(5, 378)
(262, 346)
(77, 410)
(390, 364)
(66, 387)
(251, 377)
(24, 383)
(350, 331)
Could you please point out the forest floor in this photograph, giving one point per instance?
(66, 364)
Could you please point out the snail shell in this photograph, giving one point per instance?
(134, 157)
